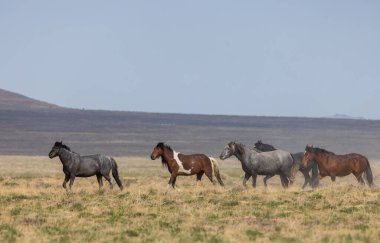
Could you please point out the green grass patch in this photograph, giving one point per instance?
(349, 210)
(9, 233)
(253, 234)
(15, 211)
(132, 233)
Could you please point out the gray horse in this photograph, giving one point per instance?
(254, 163)
(297, 157)
(85, 166)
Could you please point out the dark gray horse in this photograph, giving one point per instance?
(254, 163)
(264, 147)
(85, 166)
(311, 180)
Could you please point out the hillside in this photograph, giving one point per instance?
(33, 131)
(13, 101)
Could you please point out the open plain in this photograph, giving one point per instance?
(35, 207)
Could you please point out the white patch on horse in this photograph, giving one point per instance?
(212, 167)
(179, 163)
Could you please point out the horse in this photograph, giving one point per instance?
(255, 163)
(75, 165)
(180, 164)
(264, 147)
(334, 165)
(297, 157)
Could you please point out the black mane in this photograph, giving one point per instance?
(162, 146)
(321, 150)
(61, 145)
(65, 147)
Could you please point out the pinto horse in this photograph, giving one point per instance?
(333, 165)
(186, 165)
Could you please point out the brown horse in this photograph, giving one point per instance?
(333, 165)
(181, 164)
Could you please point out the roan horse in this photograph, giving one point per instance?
(255, 163)
(75, 165)
(181, 164)
(333, 165)
(297, 157)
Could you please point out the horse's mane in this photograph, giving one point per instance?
(60, 144)
(163, 146)
(321, 150)
(239, 147)
(66, 147)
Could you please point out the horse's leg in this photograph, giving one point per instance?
(72, 178)
(199, 177)
(67, 178)
(359, 177)
(333, 177)
(100, 180)
(254, 178)
(209, 175)
(307, 179)
(173, 178)
(246, 178)
(266, 178)
(314, 181)
(284, 181)
(108, 178)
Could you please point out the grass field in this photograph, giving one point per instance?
(35, 208)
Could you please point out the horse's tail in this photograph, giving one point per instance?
(293, 170)
(115, 173)
(368, 174)
(215, 170)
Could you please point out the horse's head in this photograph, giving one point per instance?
(55, 149)
(308, 155)
(228, 151)
(157, 151)
(259, 145)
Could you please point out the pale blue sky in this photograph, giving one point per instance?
(280, 58)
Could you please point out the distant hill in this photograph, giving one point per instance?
(30, 127)
(344, 116)
(13, 101)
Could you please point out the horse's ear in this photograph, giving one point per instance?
(232, 145)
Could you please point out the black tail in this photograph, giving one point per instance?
(293, 170)
(368, 174)
(115, 173)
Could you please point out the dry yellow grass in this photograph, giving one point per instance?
(35, 208)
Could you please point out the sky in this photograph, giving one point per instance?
(274, 58)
